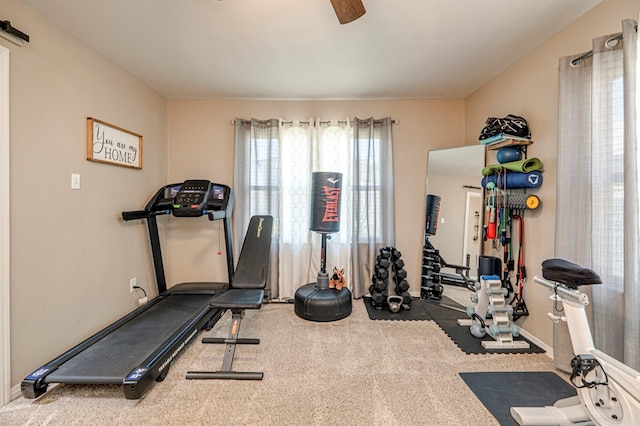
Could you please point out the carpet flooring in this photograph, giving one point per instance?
(354, 372)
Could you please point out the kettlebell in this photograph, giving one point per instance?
(477, 330)
(395, 303)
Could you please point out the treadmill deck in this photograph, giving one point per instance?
(112, 358)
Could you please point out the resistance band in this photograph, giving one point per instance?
(519, 307)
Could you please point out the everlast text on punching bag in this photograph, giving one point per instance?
(325, 201)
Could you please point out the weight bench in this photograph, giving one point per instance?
(246, 292)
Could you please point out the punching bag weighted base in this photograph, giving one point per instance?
(323, 305)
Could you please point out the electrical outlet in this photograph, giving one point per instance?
(132, 284)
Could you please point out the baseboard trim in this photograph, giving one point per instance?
(16, 392)
(548, 350)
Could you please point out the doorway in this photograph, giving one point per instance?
(5, 350)
(472, 232)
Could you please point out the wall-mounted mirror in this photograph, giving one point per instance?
(454, 176)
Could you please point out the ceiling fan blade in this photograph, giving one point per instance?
(348, 10)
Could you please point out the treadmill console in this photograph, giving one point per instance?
(196, 197)
(191, 198)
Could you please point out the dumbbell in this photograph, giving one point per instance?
(395, 254)
(379, 284)
(403, 285)
(382, 273)
(400, 275)
(431, 292)
(398, 264)
(430, 252)
(383, 262)
(377, 298)
(406, 298)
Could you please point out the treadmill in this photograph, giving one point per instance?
(137, 349)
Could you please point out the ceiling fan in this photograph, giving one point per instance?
(348, 10)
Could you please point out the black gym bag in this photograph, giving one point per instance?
(510, 125)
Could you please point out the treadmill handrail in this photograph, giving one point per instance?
(160, 205)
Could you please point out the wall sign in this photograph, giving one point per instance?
(111, 144)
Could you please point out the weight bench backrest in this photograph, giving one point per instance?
(250, 278)
(253, 264)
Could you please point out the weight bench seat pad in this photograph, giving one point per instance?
(568, 273)
(239, 299)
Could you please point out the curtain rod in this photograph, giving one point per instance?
(12, 33)
(588, 54)
(320, 122)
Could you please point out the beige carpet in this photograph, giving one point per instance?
(351, 372)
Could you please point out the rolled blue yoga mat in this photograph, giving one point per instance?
(514, 180)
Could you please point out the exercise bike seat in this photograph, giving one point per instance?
(568, 273)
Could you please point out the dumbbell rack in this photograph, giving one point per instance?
(490, 302)
(379, 288)
(430, 287)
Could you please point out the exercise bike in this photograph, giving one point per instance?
(608, 390)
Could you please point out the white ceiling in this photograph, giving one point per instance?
(296, 49)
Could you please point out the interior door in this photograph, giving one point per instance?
(5, 351)
(472, 232)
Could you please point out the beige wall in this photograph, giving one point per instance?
(71, 255)
(201, 145)
(530, 89)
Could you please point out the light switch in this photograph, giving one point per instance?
(75, 181)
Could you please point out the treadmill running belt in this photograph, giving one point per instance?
(111, 359)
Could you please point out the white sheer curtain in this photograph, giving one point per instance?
(598, 181)
(274, 160)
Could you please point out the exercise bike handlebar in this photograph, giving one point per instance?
(575, 295)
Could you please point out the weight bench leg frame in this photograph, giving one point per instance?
(226, 372)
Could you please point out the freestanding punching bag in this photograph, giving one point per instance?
(432, 214)
(325, 202)
(316, 301)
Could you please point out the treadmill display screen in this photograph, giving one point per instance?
(218, 197)
(171, 191)
(218, 193)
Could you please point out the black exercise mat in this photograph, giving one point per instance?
(469, 344)
(499, 391)
(447, 320)
(445, 313)
(419, 311)
(446, 309)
